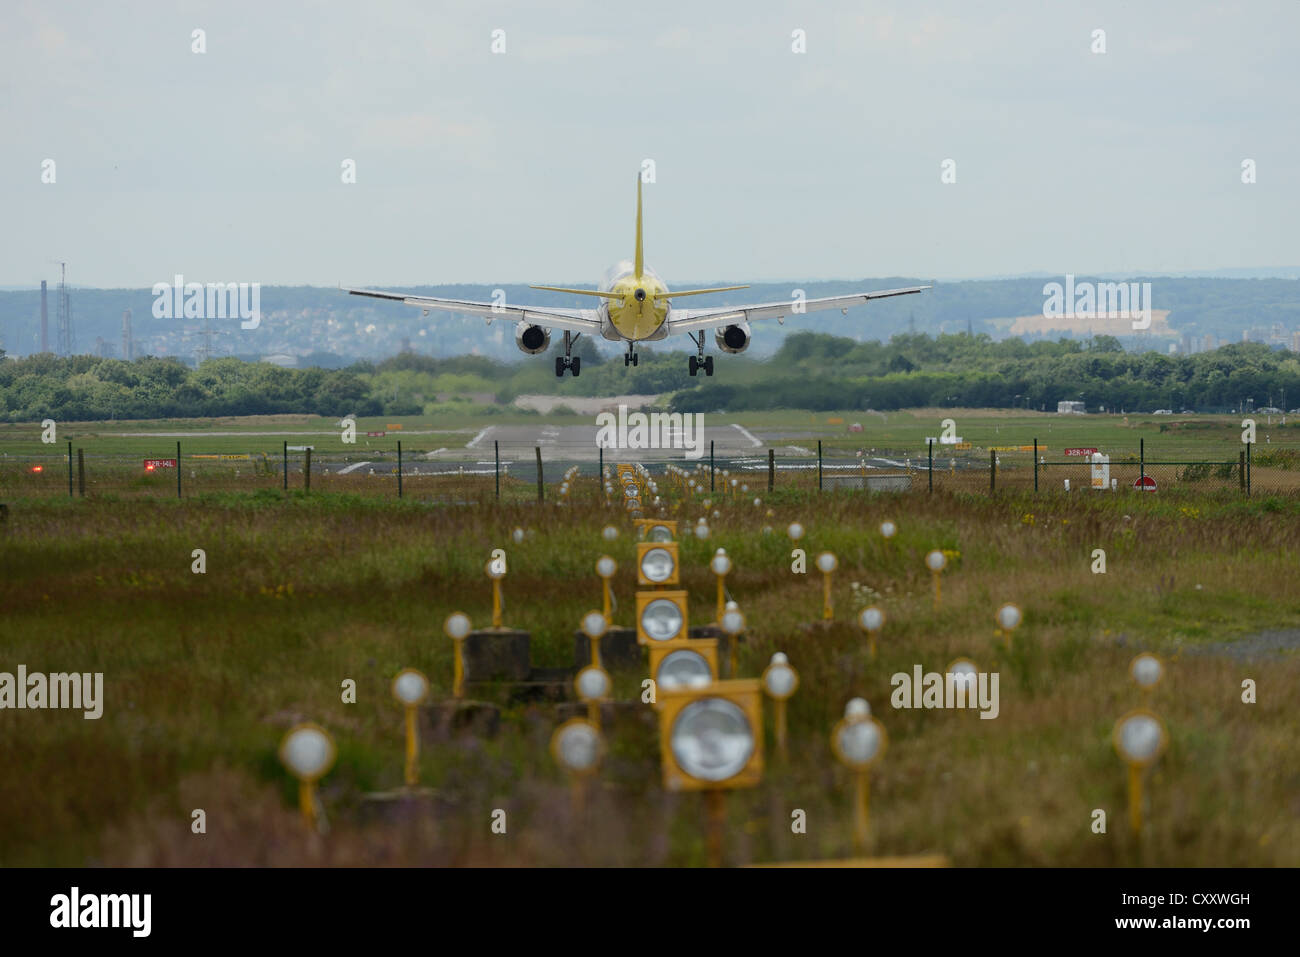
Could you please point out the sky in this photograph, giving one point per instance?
(475, 166)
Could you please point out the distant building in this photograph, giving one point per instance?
(1070, 408)
(281, 359)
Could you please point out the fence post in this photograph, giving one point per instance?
(929, 452)
(1241, 469)
(711, 467)
(771, 469)
(81, 472)
(306, 472)
(496, 456)
(178, 470)
(285, 453)
(540, 493)
(1248, 469)
(819, 465)
(1142, 463)
(399, 468)
(70, 470)
(993, 470)
(1035, 463)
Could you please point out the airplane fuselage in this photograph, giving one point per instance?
(641, 312)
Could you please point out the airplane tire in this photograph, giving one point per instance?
(708, 365)
(692, 365)
(576, 365)
(559, 367)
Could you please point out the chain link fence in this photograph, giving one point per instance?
(566, 474)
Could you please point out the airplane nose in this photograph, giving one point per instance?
(640, 295)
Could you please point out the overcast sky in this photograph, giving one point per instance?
(520, 167)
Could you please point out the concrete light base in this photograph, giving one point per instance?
(444, 720)
(539, 685)
(496, 654)
(619, 650)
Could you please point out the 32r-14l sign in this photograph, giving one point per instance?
(151, 465)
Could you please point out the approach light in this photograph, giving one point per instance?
(1009, 617)
(308, 752)
(577, 747)
(684, 664)
(592, 683)
(594, 624)
(795, 531)
(410, 687)
(1140, 737)
(1146, 670)
(779, 679)
(661, 616)
(713, 738)
(936, 560)
(888, 529)
(964, 673)
(657, 563)
(858, 742)
(872, 621)
(732, 621)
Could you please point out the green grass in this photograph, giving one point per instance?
(204, 672)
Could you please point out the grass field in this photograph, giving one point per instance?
(203, 674)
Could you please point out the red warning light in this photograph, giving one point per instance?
(38, 468)
(149, 467)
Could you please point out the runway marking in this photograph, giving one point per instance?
(473, 443)
(747, 434)
(353, 468)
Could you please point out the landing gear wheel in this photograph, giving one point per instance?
(708, 365)
(575, 365)
(692, 365)
(634, 358)
(559, 367)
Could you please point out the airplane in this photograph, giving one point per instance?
(635, 307)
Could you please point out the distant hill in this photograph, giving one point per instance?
(334, 328)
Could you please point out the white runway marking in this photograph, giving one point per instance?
(473, 443)
(353, 468)
(747, 434)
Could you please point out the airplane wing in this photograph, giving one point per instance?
(568, 320)
(695, 320)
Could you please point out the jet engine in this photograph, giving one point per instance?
(532, 339)
(733, 339)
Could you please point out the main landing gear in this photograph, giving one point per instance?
(572, 363)
(629, 357)
(695, 364)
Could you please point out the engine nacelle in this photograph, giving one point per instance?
(532, 339)
(733, 339)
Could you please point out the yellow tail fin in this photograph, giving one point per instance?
(640, 253)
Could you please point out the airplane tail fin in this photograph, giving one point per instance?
(639, 262)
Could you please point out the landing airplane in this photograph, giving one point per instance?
(635, 307)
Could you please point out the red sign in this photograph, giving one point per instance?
(375, 435)
(1146, 483)
(151, 464)
(1080, 451)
